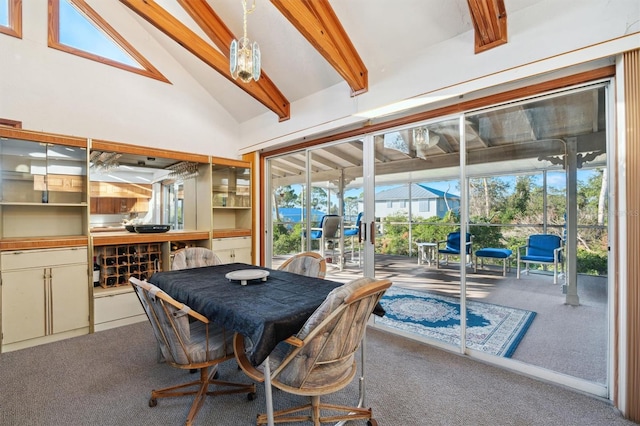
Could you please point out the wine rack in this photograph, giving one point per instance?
(121, 262)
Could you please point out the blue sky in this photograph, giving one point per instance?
(4, 13)
(76, 31)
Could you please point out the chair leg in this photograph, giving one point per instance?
(202, 391)
(315, 407)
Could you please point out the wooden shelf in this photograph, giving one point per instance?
(125, 237)
(43, 242)
(231, 232)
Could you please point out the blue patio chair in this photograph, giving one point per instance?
(544, 249)
(353, 232)
(452, 247)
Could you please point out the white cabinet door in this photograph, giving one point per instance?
(225, 255)
(69, 298)
(243, 254)
(44, 292)
(23, 305)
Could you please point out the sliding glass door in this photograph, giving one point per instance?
(493, 226)
(537, 173)
(419, 211)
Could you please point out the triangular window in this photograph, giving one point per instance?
(76, 28)
(11, 17)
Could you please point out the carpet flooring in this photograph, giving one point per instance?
(106, 379)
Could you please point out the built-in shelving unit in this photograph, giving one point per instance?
(56, 197)
(43, 187)
(231, 210)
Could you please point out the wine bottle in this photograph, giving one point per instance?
(96, 272)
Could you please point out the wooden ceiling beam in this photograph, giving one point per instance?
(264, 92)
(489, 22)
(318, 23)
(221, 35)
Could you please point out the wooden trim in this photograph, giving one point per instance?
(102, 145)
(631, 69)
(10, 123)
(268, 95)
(251, 159)
(318, 23)
(7, 244)
(263, 206)
(489, 23)
(15, 19)
(219, 33)
(523, 92)
(220, 161)
(27, 135)
(147, 70)
(124, 237)
(230, 233)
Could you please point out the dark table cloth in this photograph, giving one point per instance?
(265, 312)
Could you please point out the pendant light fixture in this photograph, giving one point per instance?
(244, 61)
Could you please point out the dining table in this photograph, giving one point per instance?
(266, 309)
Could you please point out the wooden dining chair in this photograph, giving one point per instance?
(196, 344)
(308, 263)
(194, 257)
(321, 358)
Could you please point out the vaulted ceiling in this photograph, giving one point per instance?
(310, 45)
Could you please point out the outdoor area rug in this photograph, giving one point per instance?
(493, 329)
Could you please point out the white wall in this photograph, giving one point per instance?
(52, 91)
(549, 35)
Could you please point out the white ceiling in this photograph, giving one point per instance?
(382, 31)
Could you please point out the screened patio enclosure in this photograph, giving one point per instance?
(534, 166)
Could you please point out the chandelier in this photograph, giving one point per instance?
(244, 61)
(423, 139)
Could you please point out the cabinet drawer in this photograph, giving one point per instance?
(42, 258)
(231, 243)
(115, 307)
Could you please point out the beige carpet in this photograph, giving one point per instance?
(105, 379)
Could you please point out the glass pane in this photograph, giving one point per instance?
(325, 199)
(4, 13)
(24, 168)
(537, 180)
(417, 206)
(335, 172)
(34, 172)
(287, 177)
(79, 32)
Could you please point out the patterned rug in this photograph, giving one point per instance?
(493, 329)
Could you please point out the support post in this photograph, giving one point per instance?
(571, 242)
